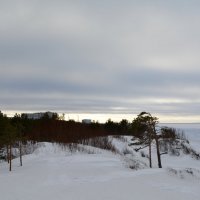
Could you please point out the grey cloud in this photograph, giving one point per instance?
(109, 82)
(95, 55)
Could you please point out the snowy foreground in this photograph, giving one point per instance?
(52, 172)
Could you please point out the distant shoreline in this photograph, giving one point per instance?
(180, 123)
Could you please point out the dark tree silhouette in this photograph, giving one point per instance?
(145, 128)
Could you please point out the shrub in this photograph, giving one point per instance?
(99, 142)
(126, 151)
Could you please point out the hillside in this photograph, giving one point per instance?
(87, 173)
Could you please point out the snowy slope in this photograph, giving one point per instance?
(192, 132)
(52, 172)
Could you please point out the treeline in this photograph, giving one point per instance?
(53, 129)
(17, 130)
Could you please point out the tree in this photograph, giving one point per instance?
(157, 148)
(4, 140)
(145, 129)
(124, 126)
(2, 131)
(9, 138)
(17, 122)
(110, 126)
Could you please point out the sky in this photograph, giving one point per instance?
(101, 59)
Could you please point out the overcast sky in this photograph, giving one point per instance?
(106, 57)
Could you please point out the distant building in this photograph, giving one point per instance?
(38, 115)
(86, 121)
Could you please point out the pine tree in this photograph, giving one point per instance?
(10, 138)
(145, 129)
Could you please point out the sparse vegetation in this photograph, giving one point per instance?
(99, 142)
(188, 173)
(126, 151)
(19, 135)
(174, 142)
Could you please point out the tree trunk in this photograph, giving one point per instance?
(150, 161)
(20, 152)
(158, 152)
(7, 156)
(10, 157)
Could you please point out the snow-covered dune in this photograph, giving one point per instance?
(53, 172)
(192, 131)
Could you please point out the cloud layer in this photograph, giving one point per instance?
(100, 56)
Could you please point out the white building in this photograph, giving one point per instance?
(38, 115)
(86, 121)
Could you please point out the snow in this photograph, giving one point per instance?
(192, 132)
(52, 172)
